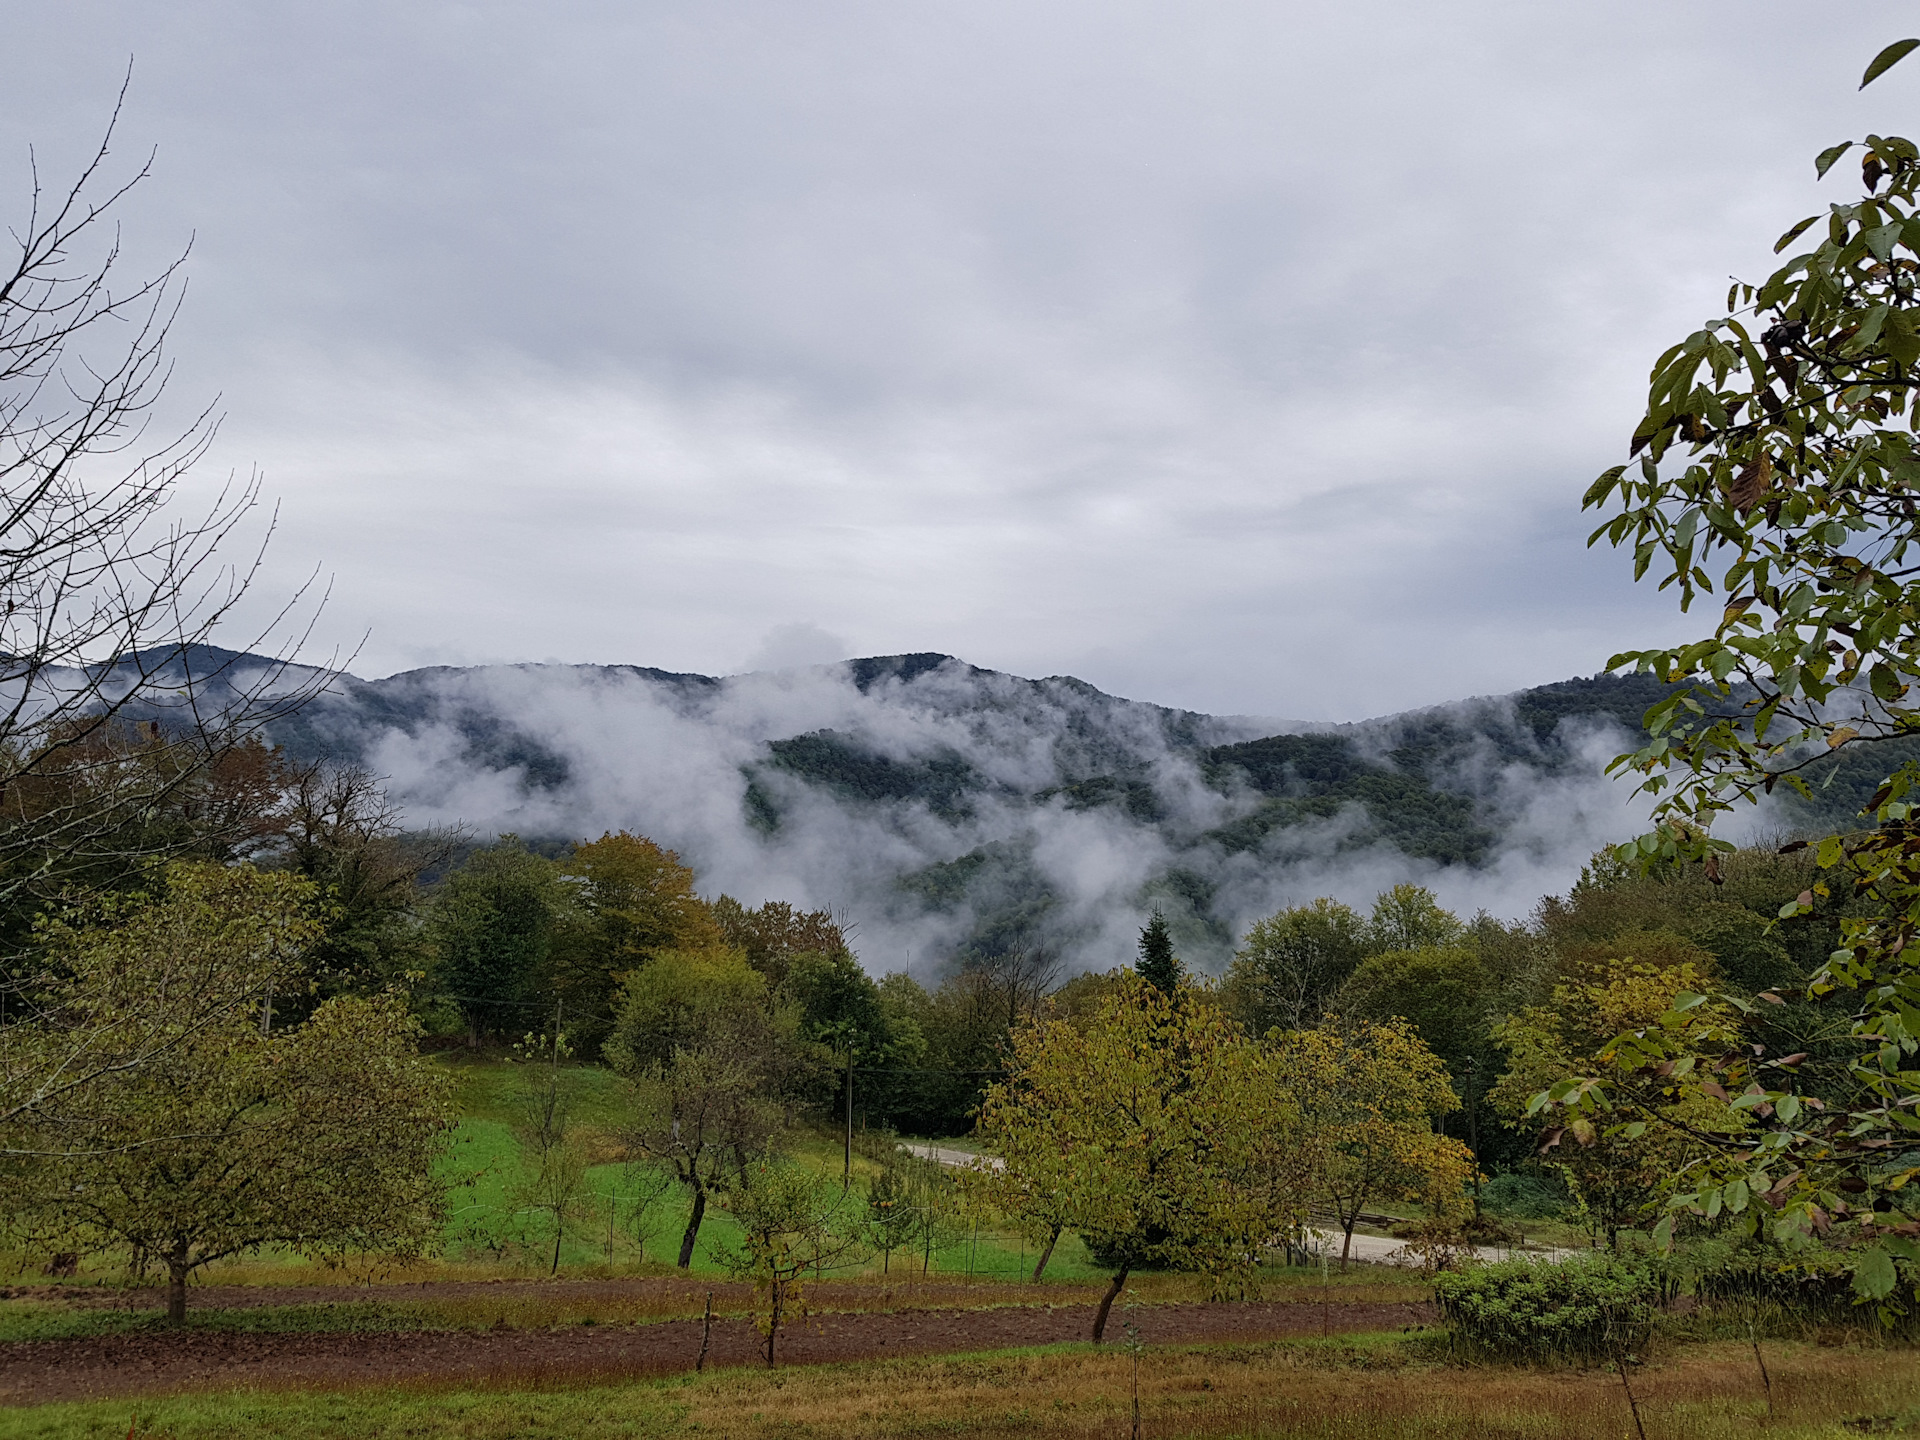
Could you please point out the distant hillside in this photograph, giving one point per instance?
(948, 809)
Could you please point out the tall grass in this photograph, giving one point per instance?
(1376, 1389)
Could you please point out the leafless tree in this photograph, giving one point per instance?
(1016, 981)
(114, 704)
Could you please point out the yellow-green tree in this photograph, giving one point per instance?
(791, 1221)
(1366, 1095)
(1620, 1173)
(75, 1026)
(642, 897)
(636, 900)
(1409, 917)
(1155, 1130)
(321, 1137)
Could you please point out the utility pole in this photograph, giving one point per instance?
(1473, 1130)
(846, 1173)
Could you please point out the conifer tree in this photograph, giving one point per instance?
(1158, 965)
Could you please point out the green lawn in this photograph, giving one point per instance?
(485, 1226)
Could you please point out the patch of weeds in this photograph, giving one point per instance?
(28, 1321)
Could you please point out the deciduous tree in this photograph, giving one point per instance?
(1156, 1130)
(791, 1221)
(707, 1052)
(1772, 475)
(772, 934)
(1366, 1095)
(1443, 993)
(1409, 917)
(1290, 964)
(1619, 1179)
(491, 928)
(636, 899)
(113, 703)
(322, 1137)
(553, 1150)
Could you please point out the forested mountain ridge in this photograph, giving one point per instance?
(948, 808)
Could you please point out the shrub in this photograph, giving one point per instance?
(1592, 1307)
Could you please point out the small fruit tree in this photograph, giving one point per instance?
(1156, 1131)
(322, 1137)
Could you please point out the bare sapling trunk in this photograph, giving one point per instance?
(559, 1229)
(1349, 1217)
(1106, 1303)
(1046, 1253)
(693, 1226)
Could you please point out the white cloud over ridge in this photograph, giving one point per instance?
(570, 752)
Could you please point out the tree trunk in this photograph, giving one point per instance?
(778, 1289)
(693, 1227)
(1046, 1254)
(559, 1229)
(177, 1284)
(1347, 1244)
(1106, 1303)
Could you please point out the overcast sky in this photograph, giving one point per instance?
(1244, 356)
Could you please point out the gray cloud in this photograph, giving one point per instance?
(801, 643)
(1247, 357)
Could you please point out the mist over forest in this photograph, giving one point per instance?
(947, 812)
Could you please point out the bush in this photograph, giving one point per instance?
(1523, 1197)
(1593, 1307)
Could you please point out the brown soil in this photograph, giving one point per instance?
(35, 1372)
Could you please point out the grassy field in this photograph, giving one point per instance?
(1380, 1388)
(485, 1227)
(489, 1236)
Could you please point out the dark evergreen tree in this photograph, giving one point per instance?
(1158, 965)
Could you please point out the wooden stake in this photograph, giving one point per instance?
(1765, 1379)
(1620, 1364)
